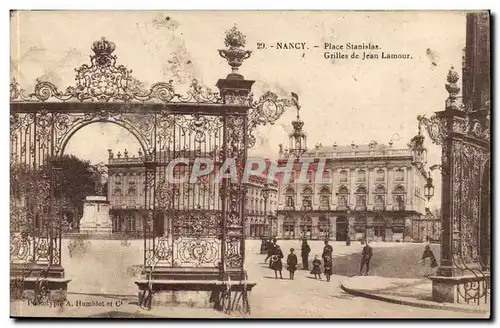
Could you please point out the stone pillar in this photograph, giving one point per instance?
(335, 187)
(298, 229)
(333, 227)
(370, 183)
(315, 228)
(352, 187)
(352, 230)
(390, 185)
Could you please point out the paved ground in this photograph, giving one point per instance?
(105, 271)
(415, 292)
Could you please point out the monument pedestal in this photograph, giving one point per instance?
(95, 219)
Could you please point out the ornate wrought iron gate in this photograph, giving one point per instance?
(188, 225)
(463, 131)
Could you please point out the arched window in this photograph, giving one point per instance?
(379, 198)
(306, 227)
(324, 227)
(399, 198)
(289, 199)
(342, 198)
(361, 176)
(361, 198)
(307, 199)
(324, 199)
(343, 176)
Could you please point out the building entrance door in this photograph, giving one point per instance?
(342, 228)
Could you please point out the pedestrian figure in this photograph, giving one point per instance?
(429, 260)
(316, 270)
(305, 254)
(263, 245)
(328, 266)
(348, 241)
(291, 262)
(270, 250)
(327, 251)
(276, 263)
(366, 256)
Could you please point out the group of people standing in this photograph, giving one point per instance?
(275, 254)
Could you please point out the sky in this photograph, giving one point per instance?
(342, 101)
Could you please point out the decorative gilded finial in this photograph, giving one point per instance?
(103, 50)
(453, 76)
(453, 89)
(103, 46)
(235, 55)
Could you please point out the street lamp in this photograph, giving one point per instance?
(297, 138)
(265, 195)
(419, 152)
(429, 187)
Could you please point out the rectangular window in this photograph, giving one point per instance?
(380, 176)
(361, 176)
(343, 176)
(399, 175)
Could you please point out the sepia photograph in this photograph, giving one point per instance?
(250, 164)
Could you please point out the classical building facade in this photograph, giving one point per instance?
(368, 189)
(126, 196)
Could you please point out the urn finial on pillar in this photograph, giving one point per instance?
(453, 89)
(235, 54)
(234, 89)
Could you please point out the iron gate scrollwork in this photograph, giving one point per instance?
(464, 135)
(186, 223)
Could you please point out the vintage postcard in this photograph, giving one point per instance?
(250, 164)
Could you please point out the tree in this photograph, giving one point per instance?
(72, 180)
